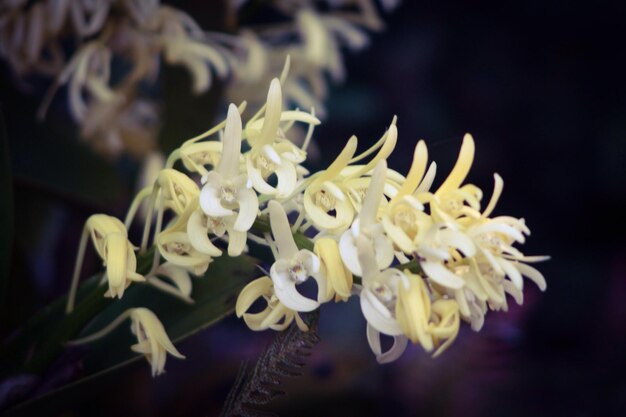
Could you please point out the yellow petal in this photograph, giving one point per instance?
(250, 293)
(418, 168)
(338, 275)
(339, 163)
(461, 168)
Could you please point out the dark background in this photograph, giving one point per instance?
(541, 86)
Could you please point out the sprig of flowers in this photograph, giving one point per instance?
(420, 261)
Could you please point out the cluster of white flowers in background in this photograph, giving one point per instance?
(112, 112)
(421, 260)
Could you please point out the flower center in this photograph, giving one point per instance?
(491, 241)
(228, 195)
(178, 248)
(406, 220)
(298, 273)
(266, 167)
(385, 295)
(325, 200)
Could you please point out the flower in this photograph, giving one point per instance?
(225, 189)
(404, 220)
(327, 197)
(271, 153)
(292, 266)
(110, 240)
(177, 247)
(152, 340)
(379, 292)
(275, 315)
(367, 225)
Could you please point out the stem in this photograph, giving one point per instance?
(71, 298)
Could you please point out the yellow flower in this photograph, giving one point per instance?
(404, 220)
(152, 339)
(337, 274)
(176, 246)
(413, 311)
(327, 200)
(110, 240)
(275, 315)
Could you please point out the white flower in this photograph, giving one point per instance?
(380, 291)
(271, 153)
(293, 266)
(225, 189)
(367, 225)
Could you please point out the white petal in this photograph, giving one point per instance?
(228, 165)
(378, 315)
(281, 230)
(349, 253)
(236, 242)
(366, 257)
(279, 271)
(248, 209)
(271, 154)
(210, 202)
(198, 235)
(399, 346)
(291, 298)
(259, 184)
(442, 275)
(384, 251)
(287, 179)
(458, 240)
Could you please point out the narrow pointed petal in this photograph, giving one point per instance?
(533, 274)
(416, 172)
(281, 230)
(461, 168)
(228, 166)
(272, 113)
(374, 194)
(497, 191)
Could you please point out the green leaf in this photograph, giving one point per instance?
(6, 214)
(215, 295)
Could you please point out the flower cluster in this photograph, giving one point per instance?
(420, 260)
(120, 45)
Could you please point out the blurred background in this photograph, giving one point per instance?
(541, 87)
